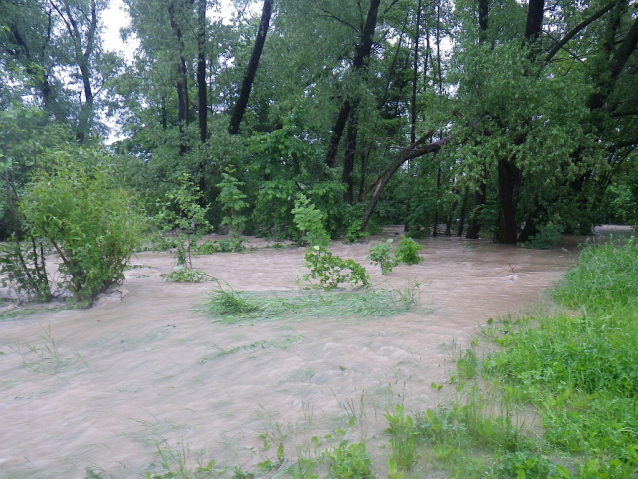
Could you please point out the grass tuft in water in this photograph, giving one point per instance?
(228, 305)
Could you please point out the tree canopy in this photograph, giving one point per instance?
(506, 118)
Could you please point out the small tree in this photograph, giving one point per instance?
(310, 221)
(91, 224)
(232, 201)
(182, 213)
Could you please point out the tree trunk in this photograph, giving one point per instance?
(202, 103)
(348, 160)
(462, 214)
(251, 69)
(181, 79)
(362, 52)
(474, 225)
(509, 178)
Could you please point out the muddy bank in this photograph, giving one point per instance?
(100, 387)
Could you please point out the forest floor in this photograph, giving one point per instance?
(147, 369)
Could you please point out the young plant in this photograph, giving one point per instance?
(379, 254)
(24, 268)
(182, 213)
(403, 438)
(408, 251)
(185, 275)
(350, 462)
(310, 222)
(232, 201)
(332, 270)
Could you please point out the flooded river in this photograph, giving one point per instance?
(102, 387)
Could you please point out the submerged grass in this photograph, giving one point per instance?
(227, 305)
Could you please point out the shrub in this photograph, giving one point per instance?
(379, 254)
(92, 225)
(408, 251)
(332, 270)
(311, 223)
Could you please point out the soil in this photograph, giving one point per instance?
(103, 387)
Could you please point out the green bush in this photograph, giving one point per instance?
(408, 251)
(92, 225)
(332, 270)
(311, 223)
(379, 254)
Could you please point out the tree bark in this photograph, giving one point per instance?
(362, 52)
(202, 103)
(251, 69)
(509, 178)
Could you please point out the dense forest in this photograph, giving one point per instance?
(500, 119)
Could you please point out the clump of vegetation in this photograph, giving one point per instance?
(310, 222)
(226, 304)
(407, 251)
(549, 235)
(332, 271)
(379, 254)
(350, 461)
(232, 201)
(605, 278)
(181, 213)
(23, 265)
(185, 275)
(94, 226)
(233, 245)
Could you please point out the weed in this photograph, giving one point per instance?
(407, 251)
(228, 302)
(350, 462)
(403, 437)
(331, 271)
(379, 254)
(185, 275)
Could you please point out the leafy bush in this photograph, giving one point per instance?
(548, 235)
(233, 245)
(92, 225)
(310, 221)
(379, 254)
(408, 251)
(332, 270)
(350, 462)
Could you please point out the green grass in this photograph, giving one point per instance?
(227, 305)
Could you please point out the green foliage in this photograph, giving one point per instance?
(232, 201)
(24, 268)
(235, 306)
(549, 235)
(605, 278)
(185, 275)
(182, 213)
(331, 271)
(310, 223)
(91, 223)
(403, 440)
(379, 254)
(350, 461)
(233, 245)
(407, 251)
(525, 464)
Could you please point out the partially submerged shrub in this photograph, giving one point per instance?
(408, 251)
(331, 271)
(311, 223)
(379, 254)
(92, 225)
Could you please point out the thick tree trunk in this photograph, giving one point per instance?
(251, 69)
(509, 178)
(474, 225)
(202, 103)
(181, 79)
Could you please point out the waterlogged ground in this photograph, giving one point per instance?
(102, 387)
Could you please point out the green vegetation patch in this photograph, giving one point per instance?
(228, 305)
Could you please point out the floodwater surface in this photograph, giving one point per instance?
(103, 387)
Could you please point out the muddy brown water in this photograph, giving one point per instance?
(128, 374)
